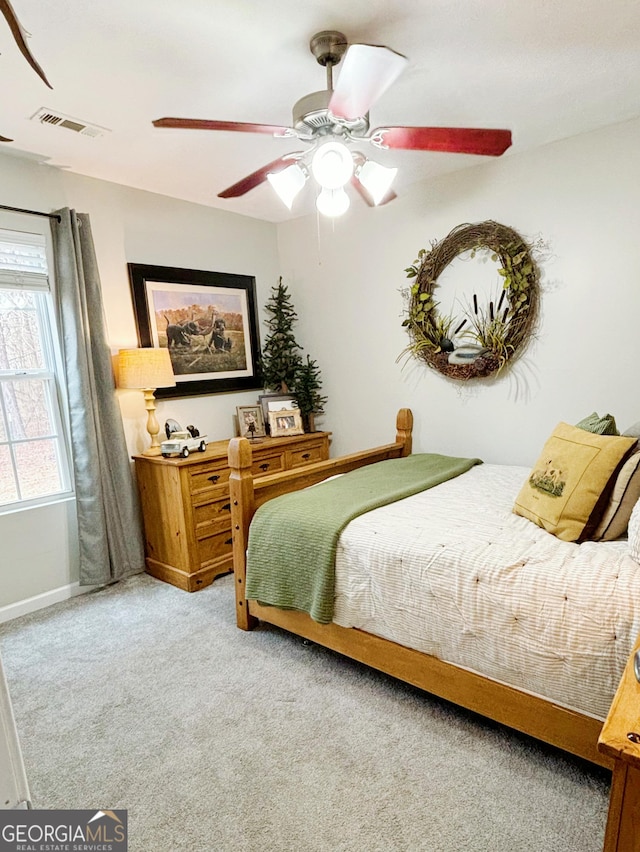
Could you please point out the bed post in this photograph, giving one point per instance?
(404, 425)
(242, 509)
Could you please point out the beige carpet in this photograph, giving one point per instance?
(144, 697)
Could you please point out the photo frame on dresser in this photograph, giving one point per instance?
(207, 321)
(276, 402)
(250, 421)
(285, 422)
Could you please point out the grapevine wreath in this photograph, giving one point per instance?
(487, 336)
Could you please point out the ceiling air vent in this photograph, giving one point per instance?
(57, 119)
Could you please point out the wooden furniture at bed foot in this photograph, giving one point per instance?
(186, 507)
(620, 740)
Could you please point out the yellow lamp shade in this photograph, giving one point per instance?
(145, 368)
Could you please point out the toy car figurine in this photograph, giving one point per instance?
(183, 442)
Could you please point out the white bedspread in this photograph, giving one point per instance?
(453, 572)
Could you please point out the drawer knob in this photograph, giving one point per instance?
(226, 507)
(264, 466)
(214, 478)
(229, 541)
(306, 455)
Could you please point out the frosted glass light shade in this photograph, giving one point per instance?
(332, 165)
(288, 183)
(145, 368)
(332, 202)
(376, 179)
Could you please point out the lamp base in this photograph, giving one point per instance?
(152, 451)
(153, 427)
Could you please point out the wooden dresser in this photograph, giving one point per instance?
(186, 508)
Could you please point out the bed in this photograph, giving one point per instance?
(564, 615)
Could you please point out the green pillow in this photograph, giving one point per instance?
(605, 425)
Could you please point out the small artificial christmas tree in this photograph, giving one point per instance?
(280, 360)
(307, 391)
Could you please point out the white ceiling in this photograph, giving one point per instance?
(546, 69)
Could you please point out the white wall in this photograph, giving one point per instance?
(128, 226)
(580, 195)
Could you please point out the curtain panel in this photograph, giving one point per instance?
(109, 520)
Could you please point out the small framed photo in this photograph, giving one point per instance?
(276, 402)
(250, 421)
(285, 422)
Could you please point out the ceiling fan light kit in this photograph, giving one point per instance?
(332, 120)
(288, 183)
(376, 179)
(332, 202)
(332, 164)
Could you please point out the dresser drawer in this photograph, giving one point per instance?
(308, 455)
(212, 516)
(204, 477)
(268, 464)
(215, 546)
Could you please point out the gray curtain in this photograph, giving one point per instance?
(109, 525)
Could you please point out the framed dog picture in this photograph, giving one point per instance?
(207, 321)
(285, 422)
(250, 421)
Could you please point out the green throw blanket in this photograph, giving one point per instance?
(293, 538)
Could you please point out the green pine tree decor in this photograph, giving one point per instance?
(280, 360)
(283, 368)
(307, 391)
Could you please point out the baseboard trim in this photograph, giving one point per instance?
(63, 593)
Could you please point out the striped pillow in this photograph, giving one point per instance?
(605, 425)
(624, 496)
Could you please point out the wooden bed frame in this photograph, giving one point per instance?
(535, 716)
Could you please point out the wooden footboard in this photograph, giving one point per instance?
(247, 495)
(532, 715)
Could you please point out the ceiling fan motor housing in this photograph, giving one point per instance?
(311, 115)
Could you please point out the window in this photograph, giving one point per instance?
(34, 464)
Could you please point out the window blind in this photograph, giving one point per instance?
(23, 260)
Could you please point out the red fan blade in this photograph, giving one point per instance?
(19, 35)
(455, 140)
(365, 195)
(259, 176)
(367, 72)
(237, 126)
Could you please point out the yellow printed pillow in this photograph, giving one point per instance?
(564, 487)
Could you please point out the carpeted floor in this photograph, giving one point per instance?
(144, 697)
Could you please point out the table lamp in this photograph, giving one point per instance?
(146, 370)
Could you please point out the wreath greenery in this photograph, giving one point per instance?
(498, 330)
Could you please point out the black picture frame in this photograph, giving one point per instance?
(213, 341)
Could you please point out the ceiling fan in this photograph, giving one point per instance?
(333, 121)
